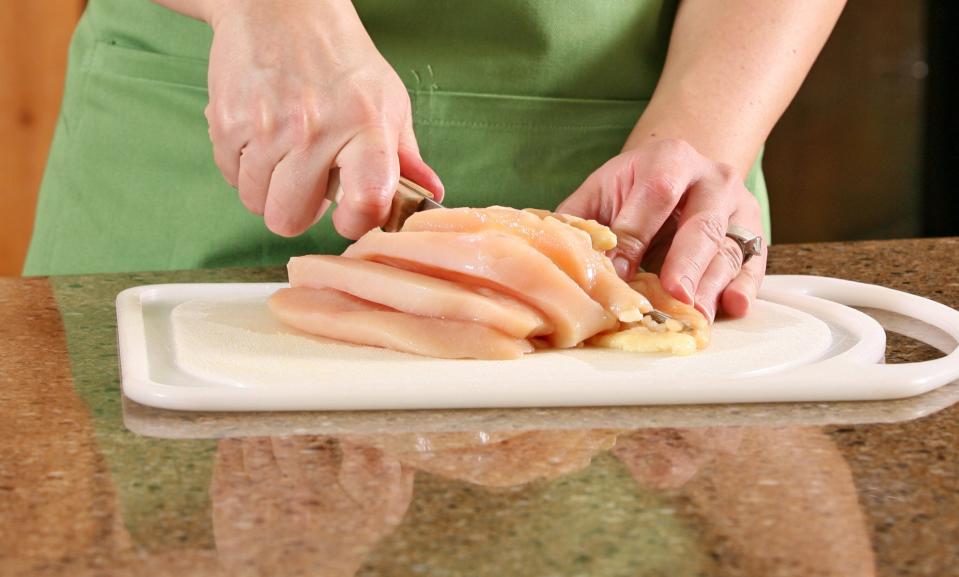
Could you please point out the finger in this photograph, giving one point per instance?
(646, 210)
(257, 162)
(229, 138)
(724, 267)
(365, 469)
(258, 459)
(597, 199)
(657, 185)
(655, 255)
(742, 290)
(297, 194)
(369, 173)
(286, 453)
(228, 465)
(699, 236)
(413, 167)
(585, 200)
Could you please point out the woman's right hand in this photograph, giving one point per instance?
(297, 88)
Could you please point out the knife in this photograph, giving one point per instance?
(408, 199)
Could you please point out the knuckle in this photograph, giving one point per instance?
(660, 189)
(368, 104)
(370, 200)
(223, 119)
(729, 175)
(375, 104)
(307, 125)
(265, 121)
(712, 227)
(629, 246)
(732, 255)
(676, 147)
(376, 151)
(692, 265)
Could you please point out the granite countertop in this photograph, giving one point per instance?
(93, 484)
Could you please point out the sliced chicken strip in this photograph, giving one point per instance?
(337, 315)
(417, 294)
(499, 261)
(570, 248)
(603, 238)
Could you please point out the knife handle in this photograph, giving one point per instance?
(407, 199)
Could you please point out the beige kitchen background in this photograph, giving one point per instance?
(846, 161)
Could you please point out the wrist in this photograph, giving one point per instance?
(211, 11)
(717, 144)
(334, 14)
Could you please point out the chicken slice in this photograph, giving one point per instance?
(337, 315)
(603, 238)
(639, 339)
(499, 261)
(417, 294)
(685, 333)
(570, 248)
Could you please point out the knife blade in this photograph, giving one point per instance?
(408, 199)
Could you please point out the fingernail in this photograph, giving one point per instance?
(621, 265)
(688, 289)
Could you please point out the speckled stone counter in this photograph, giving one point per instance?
(92, 484)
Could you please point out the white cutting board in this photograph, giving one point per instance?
(215, 347)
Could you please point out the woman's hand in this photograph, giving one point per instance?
(321, 507)
(297, 88)
(665, 197)
(669, 458)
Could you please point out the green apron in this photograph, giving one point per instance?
(515, 102)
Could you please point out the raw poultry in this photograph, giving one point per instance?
(491, 283)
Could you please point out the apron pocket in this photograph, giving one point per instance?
(136, 186)
(518, 151)
(111, 58)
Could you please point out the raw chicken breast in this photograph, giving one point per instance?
(684, 333)
(648, 284)
(337, 315)
(570, 248)
(417, 294)
(602, 237)
(499, 261)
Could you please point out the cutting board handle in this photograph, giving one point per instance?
(907, 378)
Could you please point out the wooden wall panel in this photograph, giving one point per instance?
(34, 35)
(845, 161)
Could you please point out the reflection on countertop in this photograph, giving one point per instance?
(91, 484)
(572, 502)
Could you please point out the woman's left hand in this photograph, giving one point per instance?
(663, 193)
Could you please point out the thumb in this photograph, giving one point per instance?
(586, 201)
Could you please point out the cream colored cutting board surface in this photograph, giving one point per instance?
(215, 347)
(238, 341)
